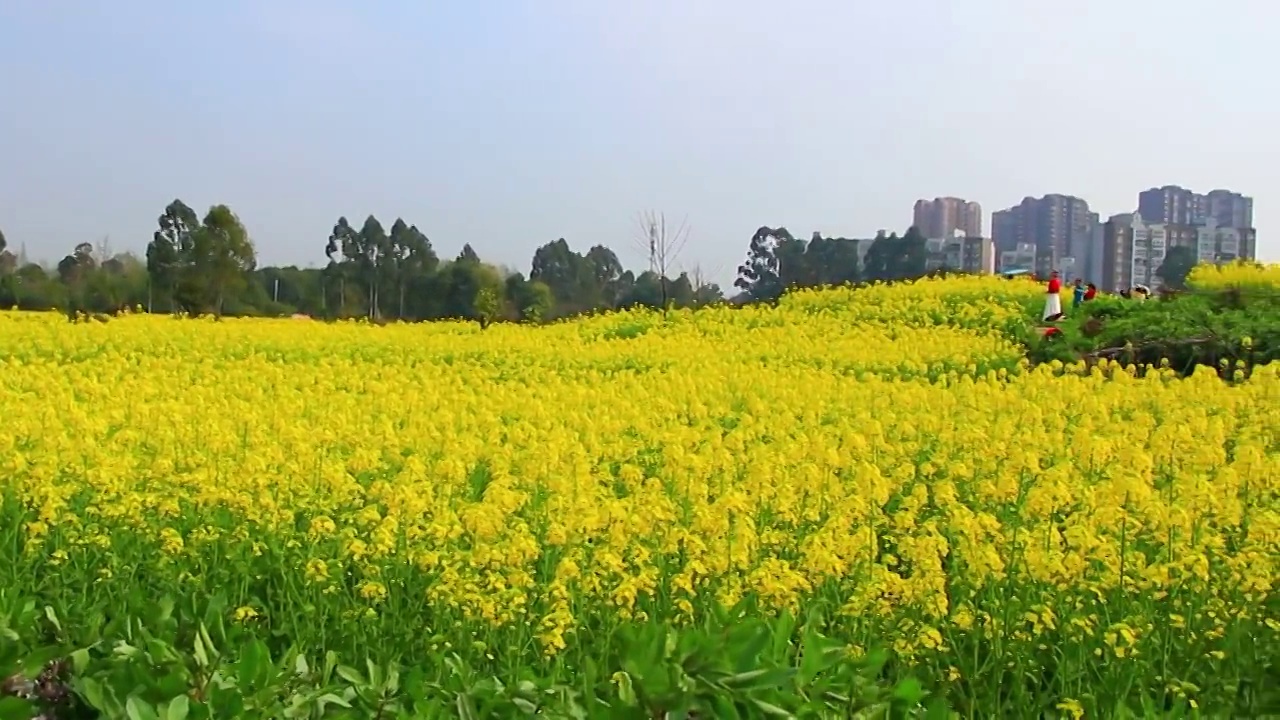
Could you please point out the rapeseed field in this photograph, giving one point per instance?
(1055, 539)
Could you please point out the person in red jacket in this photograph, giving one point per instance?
(1090, 292)
(1053, 299)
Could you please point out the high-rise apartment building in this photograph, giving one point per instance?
(1180, 206)
(1217, 243)
(1170, 204)
(942, 217)
(1134, 248)
(1006, 229)
(1228, 209)
(1060, 227)
(1117, 253)
(1091, 267)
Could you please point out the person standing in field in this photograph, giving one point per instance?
(1077, 292)
(1053, 299)
(1091, 292)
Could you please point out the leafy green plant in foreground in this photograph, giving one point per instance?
(735, 665)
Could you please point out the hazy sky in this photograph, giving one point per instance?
(510, 123)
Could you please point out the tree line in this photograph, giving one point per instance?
(199, 265)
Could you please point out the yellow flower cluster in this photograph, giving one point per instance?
(1237, 274)
(883, 452)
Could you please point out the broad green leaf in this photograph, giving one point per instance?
(15, 708)
(53, 617)
(253, 667)
(178, 709)
(92, 692)
(331, 699)
(80, 660)
(35, 661)
(937, 710)
(771, 710)
(351, 675)
(138, 709)
(909, 691)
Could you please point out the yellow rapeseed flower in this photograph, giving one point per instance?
(884, 452)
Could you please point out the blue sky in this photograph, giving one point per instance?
(510, 123)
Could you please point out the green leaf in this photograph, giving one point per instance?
(199, 651)
(53, 617)
(391, 685)
(746, 650)
(138, 709)
(331, 699)
(937, 710)
(771, 710)
(758, 679)
(253, 666)
(91, 692)
(225, 702)
(909, 691)
(724, 708)
(626, 690)
(165, 610)
(351, 675)
(873, 662)
(36, 660)
(466, 711)
(782, 629)
(80, 660)
(209, 646)
(15, 708)
(813, 658)
(178, 709)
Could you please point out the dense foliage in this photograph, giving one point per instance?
(1227, 318)
(209, 265)
(852, 500)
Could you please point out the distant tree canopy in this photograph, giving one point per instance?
(1177, 265)
(777, 261)
(208, 264)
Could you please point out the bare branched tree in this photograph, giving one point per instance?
(104, 249)
(661, 244)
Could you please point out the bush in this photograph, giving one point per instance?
(1227, 328)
